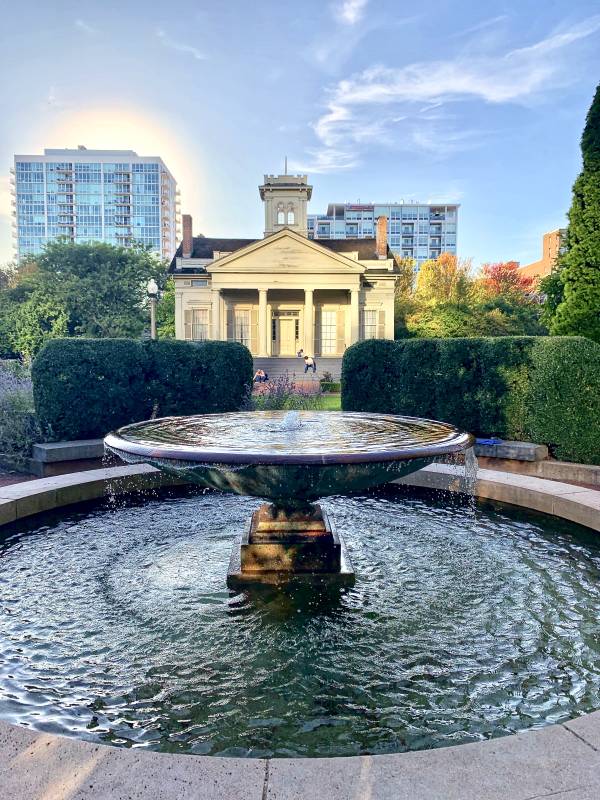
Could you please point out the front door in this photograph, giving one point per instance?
(287, 336)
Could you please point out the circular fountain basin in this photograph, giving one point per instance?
(466, 624)
(288, 457)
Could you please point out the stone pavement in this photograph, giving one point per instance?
(561, 762)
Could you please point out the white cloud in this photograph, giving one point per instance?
(381, 102)
(84, 26)
(351, 11)
(189, 49)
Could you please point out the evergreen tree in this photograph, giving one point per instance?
(579, 312)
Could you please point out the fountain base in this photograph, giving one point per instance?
(280, 544)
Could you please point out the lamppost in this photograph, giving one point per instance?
(152, 289)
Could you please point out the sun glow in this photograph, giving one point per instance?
(121, 128)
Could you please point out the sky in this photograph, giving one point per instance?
(379, 101)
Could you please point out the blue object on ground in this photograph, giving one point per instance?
(491, 441)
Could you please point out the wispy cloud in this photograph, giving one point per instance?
(189, 49)
(335, 44)
(53, 100)
(351, 11)
(385, 104)
(480, 26)
(84, 26)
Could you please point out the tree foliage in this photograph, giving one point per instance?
(93, 290)
(578, 313)
(449, 301)
(503, 278)
(165, 311)
(444, 279)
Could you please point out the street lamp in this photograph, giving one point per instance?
(152, 289)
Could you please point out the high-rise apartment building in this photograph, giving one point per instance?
(112, 196)
(414, 230)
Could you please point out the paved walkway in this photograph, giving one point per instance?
(8, 478)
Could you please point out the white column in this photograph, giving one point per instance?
(354, 320)
(216, 314)
(263, 326)
(309, 323)
(179, 325)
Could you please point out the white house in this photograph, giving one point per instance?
(284, 292)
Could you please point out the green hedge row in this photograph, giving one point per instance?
(84, 388)
(541, 389)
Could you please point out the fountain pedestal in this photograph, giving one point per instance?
(280, 543)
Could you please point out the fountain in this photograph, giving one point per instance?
(291, 459)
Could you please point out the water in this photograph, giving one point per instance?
(291, 421)
(464, 624)
(294, 434)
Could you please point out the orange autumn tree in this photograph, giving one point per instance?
(505, 279)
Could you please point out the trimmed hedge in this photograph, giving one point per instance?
(202, 378)
(83, 388)
(543, 389)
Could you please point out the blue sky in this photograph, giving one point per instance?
(456, 101)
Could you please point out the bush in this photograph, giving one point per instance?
(330, 386)
(18, 424)
(200, 378)
(84, 388)
(282, 394)
(563, 398)
(543, 389)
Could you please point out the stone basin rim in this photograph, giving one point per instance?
(457, 442)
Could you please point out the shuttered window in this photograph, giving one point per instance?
(369, 324)
(242, 326)
(196, 324)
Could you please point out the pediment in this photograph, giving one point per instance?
(286, 252)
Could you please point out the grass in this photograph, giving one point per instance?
(331, 402)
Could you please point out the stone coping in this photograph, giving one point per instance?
(561, 761)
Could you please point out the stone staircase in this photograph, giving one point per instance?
(294, 367)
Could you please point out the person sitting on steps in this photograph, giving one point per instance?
(308, 363)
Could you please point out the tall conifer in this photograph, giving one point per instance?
(579, 312)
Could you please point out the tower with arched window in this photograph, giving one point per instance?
(285, 198)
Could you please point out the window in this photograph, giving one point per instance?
(280, 218)
(241, 332)
(196, 324)
(290, 217)
(200, 282)
(369, 324)
(328, 332)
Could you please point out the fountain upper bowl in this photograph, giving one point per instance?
(295, 457)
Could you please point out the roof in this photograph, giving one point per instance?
(204, 247)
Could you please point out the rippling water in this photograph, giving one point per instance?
(464, 624)
(313, 432)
